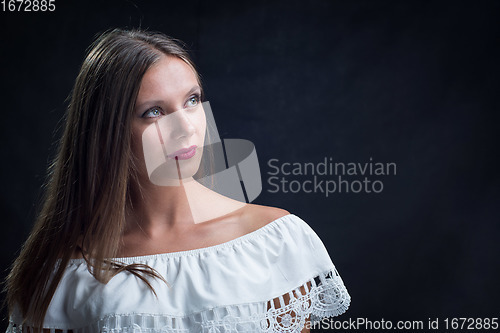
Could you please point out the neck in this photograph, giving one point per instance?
(165, 207)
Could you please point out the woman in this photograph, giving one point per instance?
(124, 242)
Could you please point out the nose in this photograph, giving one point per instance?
(182, 125)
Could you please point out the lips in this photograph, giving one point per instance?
(184, 153)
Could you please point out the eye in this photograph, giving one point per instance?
(154, 112)
(193, 101)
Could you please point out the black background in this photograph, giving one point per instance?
(415, 83)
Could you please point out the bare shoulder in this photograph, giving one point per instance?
(257, 216)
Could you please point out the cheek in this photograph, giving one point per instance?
(201, 124)
(136, 142)
(144, 147)
(150, 151)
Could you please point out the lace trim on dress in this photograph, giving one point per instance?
(321, 297)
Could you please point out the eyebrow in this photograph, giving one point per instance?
(192, 90)
(156, 102)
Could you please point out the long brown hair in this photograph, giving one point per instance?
(89, 182)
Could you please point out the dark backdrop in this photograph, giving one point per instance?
(409, 82)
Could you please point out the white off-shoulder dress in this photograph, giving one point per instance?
(269, 280)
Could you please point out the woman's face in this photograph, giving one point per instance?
(169, 123)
